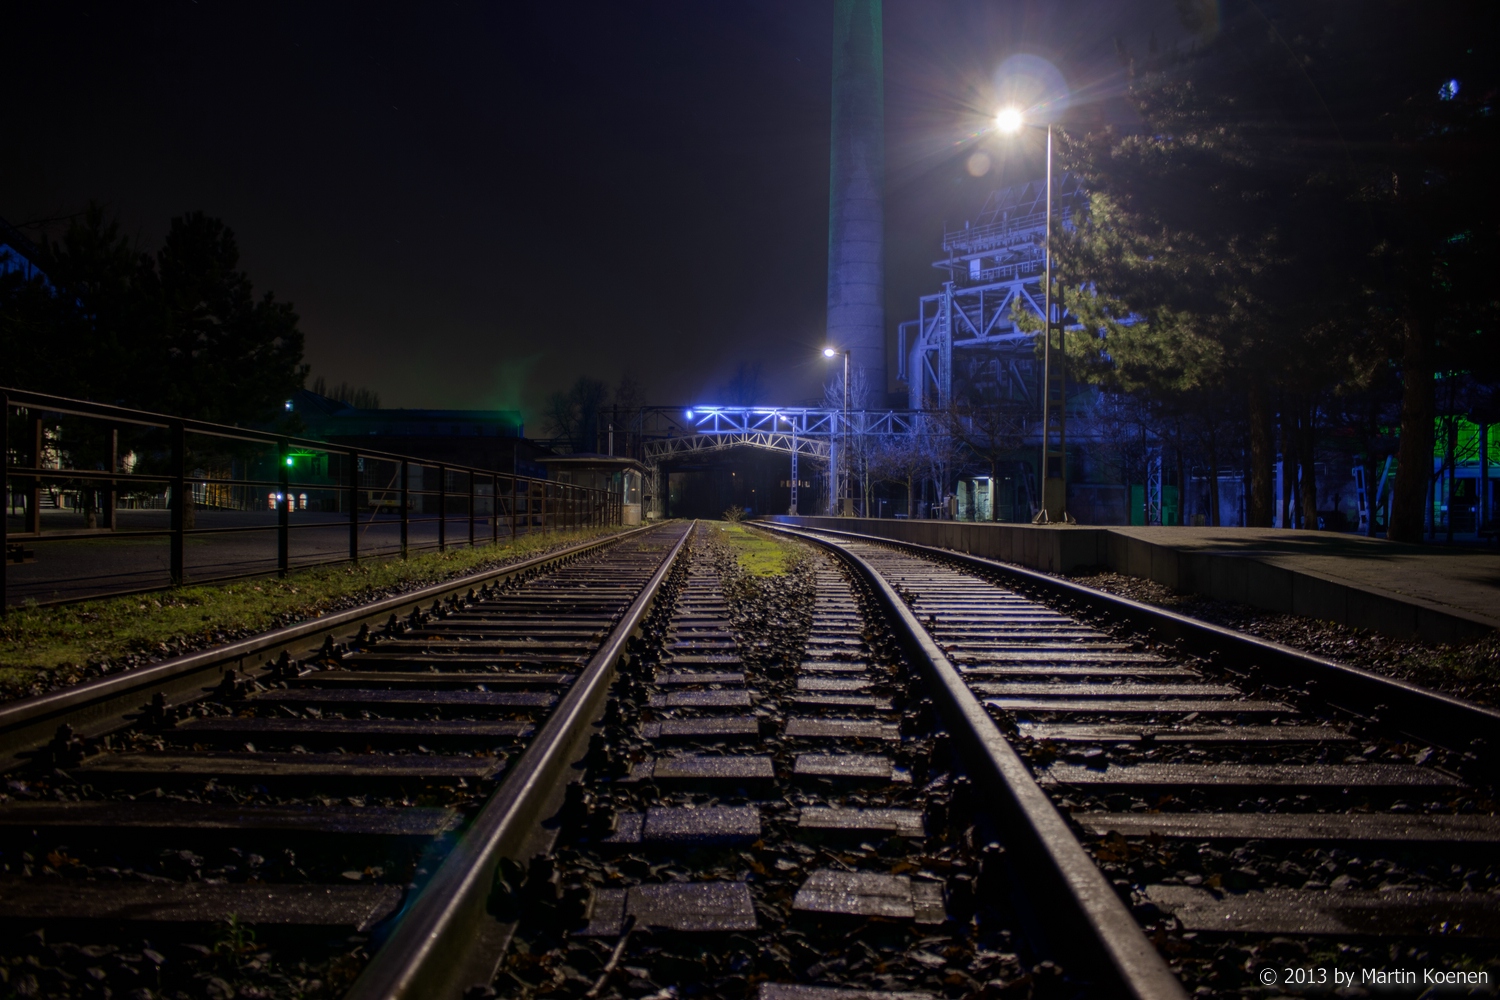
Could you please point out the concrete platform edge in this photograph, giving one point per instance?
(1242, 579)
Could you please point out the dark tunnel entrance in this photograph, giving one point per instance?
(705, 485)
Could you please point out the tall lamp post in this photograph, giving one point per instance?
(843, 463)
(1054, 383)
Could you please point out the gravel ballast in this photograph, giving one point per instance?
(1470, 671)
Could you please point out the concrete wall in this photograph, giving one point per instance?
(1225, 577)
(1050, 548)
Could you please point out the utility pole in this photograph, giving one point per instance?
(1054, 382)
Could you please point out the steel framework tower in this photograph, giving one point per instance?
(994, 264)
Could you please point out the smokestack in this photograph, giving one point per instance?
(856, 216)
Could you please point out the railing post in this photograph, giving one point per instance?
(178, 486)
(5, 514)
(354, 506)
(111, 493)
(442, 508)
(405, 499)
(283, 509)
(34, 508)
(515, 508)
(471, 508)
(494, 509)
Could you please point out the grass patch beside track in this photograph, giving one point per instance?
(46, 648)
(757, 553)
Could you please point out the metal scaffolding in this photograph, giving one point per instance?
(994, 267)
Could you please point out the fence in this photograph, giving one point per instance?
(107, 474)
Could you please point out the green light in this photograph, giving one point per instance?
(289, 460)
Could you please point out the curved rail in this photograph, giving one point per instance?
(1427, 716)
(1067, 884)
(1213, 739)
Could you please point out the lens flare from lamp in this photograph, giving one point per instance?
(1009, 119)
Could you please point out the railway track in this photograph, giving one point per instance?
(303, 808)
(897, 773)
(1269, 818)
(774, 808)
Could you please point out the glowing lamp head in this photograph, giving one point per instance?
(1009, 119)
(829, 352)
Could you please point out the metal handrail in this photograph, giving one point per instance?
(957, 238)
(547, 505)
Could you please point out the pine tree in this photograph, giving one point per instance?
(1286, 219)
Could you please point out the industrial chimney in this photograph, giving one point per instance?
(856, 220)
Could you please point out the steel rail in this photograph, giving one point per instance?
(448, 939)
(1427, 716)
(1065, 882)
(107, 703)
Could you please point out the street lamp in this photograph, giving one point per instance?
(831, 352)
(1054, 460)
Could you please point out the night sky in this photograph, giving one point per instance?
(473, 204)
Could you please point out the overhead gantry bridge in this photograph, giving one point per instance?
(822, 434)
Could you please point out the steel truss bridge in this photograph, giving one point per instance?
(821, 434)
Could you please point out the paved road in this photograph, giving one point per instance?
(72, 568)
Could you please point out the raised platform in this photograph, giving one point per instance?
(1410, 591)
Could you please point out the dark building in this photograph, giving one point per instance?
(484, 439)
(623, 477)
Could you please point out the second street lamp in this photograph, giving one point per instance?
(1054, 468)
(841, 477)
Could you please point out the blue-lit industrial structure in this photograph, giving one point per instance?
(18, 254)
(964, 343)
(966, 333)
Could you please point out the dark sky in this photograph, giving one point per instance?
(473, 204)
